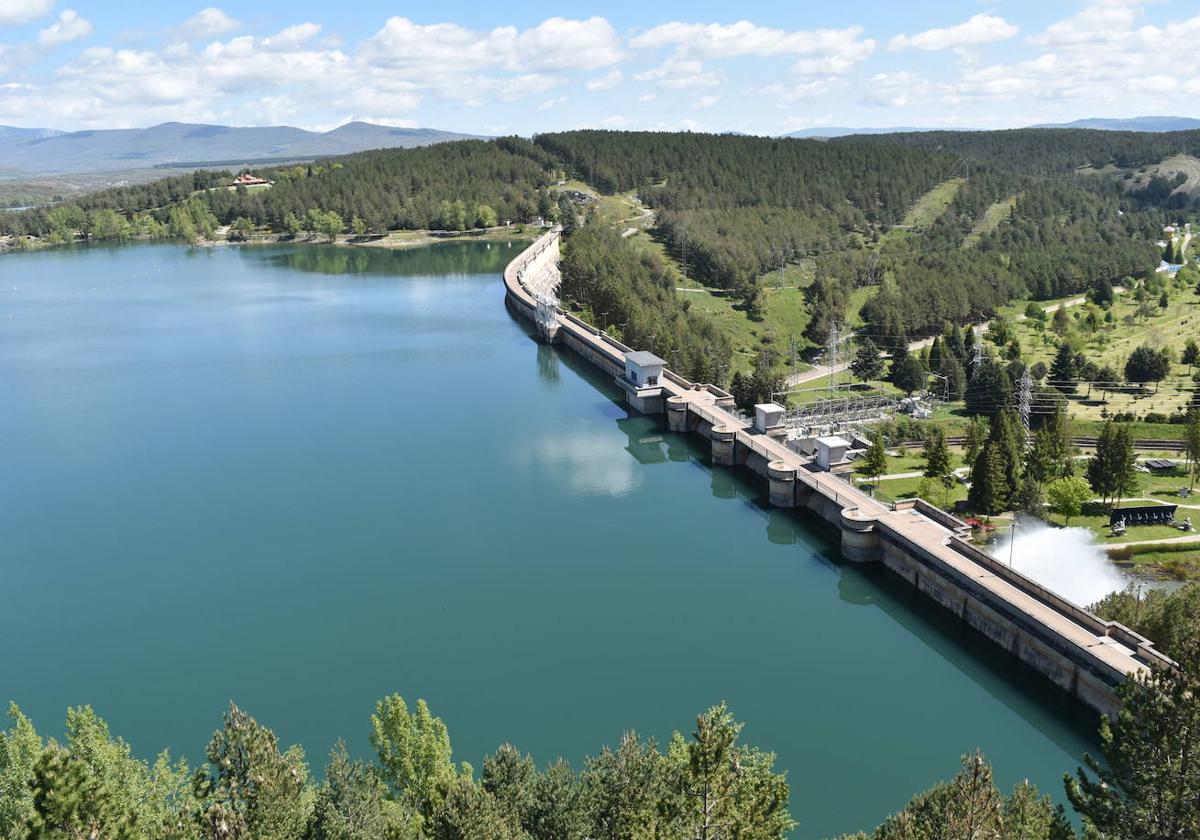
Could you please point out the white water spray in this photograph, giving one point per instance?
(1064, 560)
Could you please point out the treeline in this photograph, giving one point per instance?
(92, 786)
(737, 204)
(632, 293)
(1144, 785)
(446, 186)
(731, 208)
(1059, 239)
(1043, 152)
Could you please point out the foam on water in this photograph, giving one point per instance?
(1065, 560)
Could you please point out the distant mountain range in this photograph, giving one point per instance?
(1155, 124)
(828, 131)
(41, 151)
(1131, 124)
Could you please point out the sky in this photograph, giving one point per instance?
(501, 68)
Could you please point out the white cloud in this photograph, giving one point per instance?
(1097, 23)
(293, 36)
(554, 44)
(717, 40)
(208, 23)
(23, 11)
(896, 90)
(1100, 56)
(821, 56)
(978, 30)
(805, 90)
(706, 102)
(552, 103)
(606, 82)
(681, 74)
(69, 27)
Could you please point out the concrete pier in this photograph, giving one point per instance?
(723, 440)
(781, 484)
(1078, 651)
(677, 414)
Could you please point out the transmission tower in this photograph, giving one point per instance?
(1025, 400)
(832, 352)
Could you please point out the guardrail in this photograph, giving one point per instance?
(1142, 647)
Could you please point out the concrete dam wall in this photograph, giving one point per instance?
(1073, 648)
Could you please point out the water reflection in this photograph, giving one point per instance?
(449, 258)
(547, 364)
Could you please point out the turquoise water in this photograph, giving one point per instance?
(303, 478)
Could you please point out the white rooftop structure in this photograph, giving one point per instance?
(831, 451)
(643, 369)
(767, 416)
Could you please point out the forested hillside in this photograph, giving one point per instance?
(731, 206)
(900, 233)
(453, 185)
(1041, 152)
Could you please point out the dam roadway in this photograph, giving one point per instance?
(1078, 651)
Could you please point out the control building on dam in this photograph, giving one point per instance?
(1073, 648)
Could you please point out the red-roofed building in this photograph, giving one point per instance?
(248, 180)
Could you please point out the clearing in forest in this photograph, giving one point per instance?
(990, 220)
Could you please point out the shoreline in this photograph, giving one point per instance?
(392, 240)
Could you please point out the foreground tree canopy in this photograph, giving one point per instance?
(91, 786)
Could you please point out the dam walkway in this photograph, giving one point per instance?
(1082, 653)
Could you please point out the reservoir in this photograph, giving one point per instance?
(302, 478)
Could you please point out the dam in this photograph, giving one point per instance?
(1082, 654)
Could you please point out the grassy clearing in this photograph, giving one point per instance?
(858, 299)
(924, 211)
(1111, 343)
(990, 220)
(785, 315)
(907, 488)
(1134, 178)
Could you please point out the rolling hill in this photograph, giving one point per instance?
(33, 152)
(1156, 124)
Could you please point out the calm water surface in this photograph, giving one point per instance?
(304, 478)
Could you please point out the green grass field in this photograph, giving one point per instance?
(991, 219)
(924, 211)
(1111, 344)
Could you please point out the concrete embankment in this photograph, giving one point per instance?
(1081, 653)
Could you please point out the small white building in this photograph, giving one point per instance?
(831, 451)
(643, 369)
(767, 416)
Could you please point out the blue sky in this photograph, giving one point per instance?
(763, 68)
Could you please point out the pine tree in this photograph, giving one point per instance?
(1009, 436)
(956, 377)
(249, 790)
(20, 748)
(875, 460)
(937, 458)
(989, 492)
(1062, 370)
(867, 364)
(936, 354)
(1148, 785)
(728, 790)
(1100, 469)
(413, 749)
